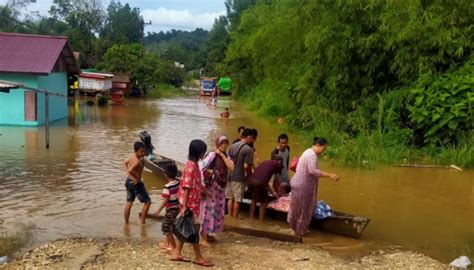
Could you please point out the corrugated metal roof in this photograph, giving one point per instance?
(9, 85)
(22, 53)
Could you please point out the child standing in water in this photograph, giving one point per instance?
(170, 201)
(189, 195)
(134, 184)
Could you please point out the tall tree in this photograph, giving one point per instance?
(85, 19)
(124, 24)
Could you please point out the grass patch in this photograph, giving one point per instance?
(10, 242)
(165, 91)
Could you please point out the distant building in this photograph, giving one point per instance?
(42, 62)
(121, 82)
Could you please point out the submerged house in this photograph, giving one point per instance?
(35, 61)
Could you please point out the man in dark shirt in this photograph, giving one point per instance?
(259, 184)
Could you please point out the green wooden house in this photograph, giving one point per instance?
(36, 61)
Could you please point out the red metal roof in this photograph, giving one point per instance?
(95, 75)
(22, 53)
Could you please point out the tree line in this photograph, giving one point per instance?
(112, 39)
(394, 77)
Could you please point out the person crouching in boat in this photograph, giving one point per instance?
(215, 167)
(260, 185)
(304, 187)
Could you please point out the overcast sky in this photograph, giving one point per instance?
(164, 14)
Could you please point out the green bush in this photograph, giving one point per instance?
(443, 111)
(102, 101)
(165, 90)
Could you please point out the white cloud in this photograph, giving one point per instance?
(166, 19)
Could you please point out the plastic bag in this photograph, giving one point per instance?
(294, 163)
(322, 210)
(462, 262)
(184, 230)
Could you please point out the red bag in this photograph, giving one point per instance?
(294, 163)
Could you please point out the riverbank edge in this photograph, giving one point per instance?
(234, 251)
(372, 154)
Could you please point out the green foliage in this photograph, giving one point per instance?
(144, 67)
(443, 111)
(10, 242)
(346, 69)
(124, 24)
(180, 46)
(102, 101)
(164, 91)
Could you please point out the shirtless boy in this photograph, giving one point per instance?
(134, 184)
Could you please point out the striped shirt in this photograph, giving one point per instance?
(170, 192)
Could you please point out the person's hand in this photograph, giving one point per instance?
(334, 177)
(181, 212)
(218, 152)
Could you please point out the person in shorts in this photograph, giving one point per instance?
(134, 184)
(242, 156)
(169, 201)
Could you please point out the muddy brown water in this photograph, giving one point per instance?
(76, 187)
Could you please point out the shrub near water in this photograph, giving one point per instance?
(370, 76)
(11, 242)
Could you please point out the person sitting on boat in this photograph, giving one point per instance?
(304, 187)
(260, 185)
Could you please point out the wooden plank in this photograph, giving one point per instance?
(428, 166)
(264, 234)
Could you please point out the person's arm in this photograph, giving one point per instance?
(248, 160)
(125, 165)
(256, 158)
(187, 185)
(314, 171)
(185, 200)
(162, 205)
(228, 162)
(206, 162)
(131, 171)
(271, 183)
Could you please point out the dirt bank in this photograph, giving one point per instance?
(233, 252)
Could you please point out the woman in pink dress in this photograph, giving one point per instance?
(304, 187)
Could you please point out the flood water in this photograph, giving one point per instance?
(76, 187)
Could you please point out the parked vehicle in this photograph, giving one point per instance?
(208, 86)
(225, 86)
(93, 83)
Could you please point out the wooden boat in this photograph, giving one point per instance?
(158, 165)
(340, 223)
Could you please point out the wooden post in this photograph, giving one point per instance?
(46, 117)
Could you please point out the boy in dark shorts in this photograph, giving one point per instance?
(171, 203)
(134, 184)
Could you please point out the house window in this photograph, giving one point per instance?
(30, 106)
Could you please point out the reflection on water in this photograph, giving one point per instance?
(76, 186)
